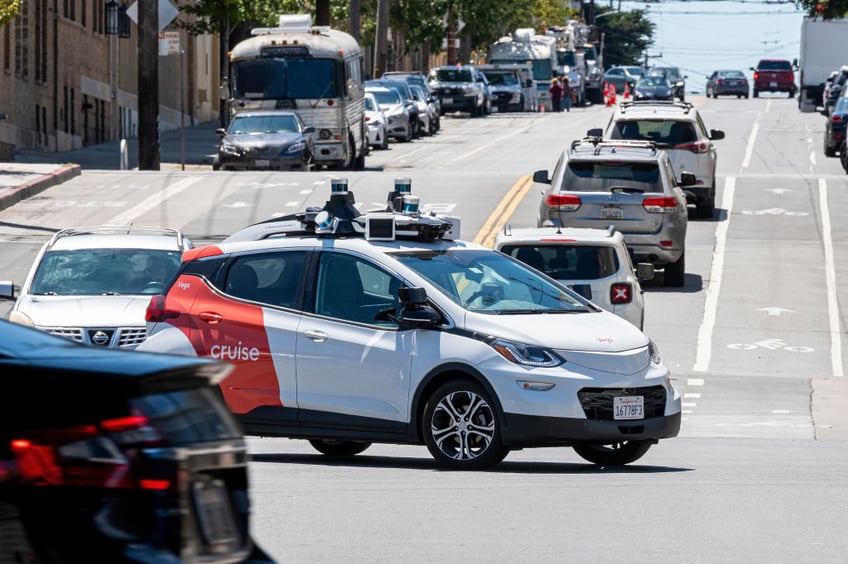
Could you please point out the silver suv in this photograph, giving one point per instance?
(92, 284)
(462, 88)
(628, 184)
(677, 128)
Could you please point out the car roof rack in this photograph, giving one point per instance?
(339, 217)
(117, 230)
(685, 106)
(598, 144)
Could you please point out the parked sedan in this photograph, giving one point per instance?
(727, 83)
(834, 131)
(398, 118)
(623, 76)
(265, 139)
(653, 88)
(117, 456)
(377, 123)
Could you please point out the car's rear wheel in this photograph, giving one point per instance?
(705, 209)
(675, 272)
(756, 93)
(828, 150)
(338, 448)
(614, 454)
(461, 427)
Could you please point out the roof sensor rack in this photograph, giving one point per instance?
(685, 106)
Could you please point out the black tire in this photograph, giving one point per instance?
(338, 448)
(828, 150)
(385, 144)
(474, 442)
(705, 210)
(675, 272)
(756, 93)
(615, 454)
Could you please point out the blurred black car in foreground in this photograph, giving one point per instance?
(116, 456)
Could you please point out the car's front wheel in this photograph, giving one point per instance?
(615, 454)
(338, 448)
(461, 427)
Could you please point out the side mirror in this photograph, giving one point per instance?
(687, 179)
(541, 176)
(414, 312)
(716, 134)
(529, 83)
(595, 132)
(644, 271)
(7, 289)
(220, 132)
(309, 129)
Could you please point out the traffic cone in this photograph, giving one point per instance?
(626, 90)
(607, 96)
(612, 95)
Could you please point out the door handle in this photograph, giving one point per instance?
(317, 336)
(211, 317)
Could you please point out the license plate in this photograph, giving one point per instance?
(628, 407)
(612, 212)
(263, 162)
(215, 513)
(772, 85)
(447, 100)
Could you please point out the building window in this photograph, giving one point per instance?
(66, 8)
(83, 10)
(73, 108)
(7, 48)
(42, 39)
(66, 124)
(44, 123)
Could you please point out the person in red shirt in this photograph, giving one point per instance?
(556, 94)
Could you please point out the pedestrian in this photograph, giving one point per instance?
(556, 94)
(567, 94)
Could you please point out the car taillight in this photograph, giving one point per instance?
(621, 293)
(98, 455)
(695, 147)
(665, 204)
(836, 118)
(756, 75)
(565, 202)
(157, 310)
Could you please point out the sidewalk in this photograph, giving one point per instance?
(34, 171)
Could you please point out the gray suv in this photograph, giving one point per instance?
(628, 184)
(461, 88)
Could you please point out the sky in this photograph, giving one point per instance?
(703, 36)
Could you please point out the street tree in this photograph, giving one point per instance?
(627, 35)
(825, 9)
(8, 10)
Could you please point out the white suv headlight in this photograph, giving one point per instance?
(654, 352)
(526, 355)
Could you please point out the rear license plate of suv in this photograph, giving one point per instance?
(263, 162)
(447, 100)
(628, 407)
(772, 85)
(215, 512)
(612, 212)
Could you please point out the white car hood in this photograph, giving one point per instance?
(86, 311)
(392, 108)
(599, 341)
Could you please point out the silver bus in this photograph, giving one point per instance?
(315, 71)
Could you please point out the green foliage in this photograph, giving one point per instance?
(8, 10)
(213, 16)
(825, 9)
(627, 35)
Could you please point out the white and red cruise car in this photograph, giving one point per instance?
(347, 329)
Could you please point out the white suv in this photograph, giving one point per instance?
(92, 284)
(349, 329)
(595, 263)
(677, 128)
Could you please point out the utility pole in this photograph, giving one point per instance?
(356, 19)
(148, 85)
(322, 12)
(381, 43)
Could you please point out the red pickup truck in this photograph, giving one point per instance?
(774, 75)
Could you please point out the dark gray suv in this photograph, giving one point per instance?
(628, 184)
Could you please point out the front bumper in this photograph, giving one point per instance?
(261, 163)
(526, 431)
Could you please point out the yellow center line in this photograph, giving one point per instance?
(506, 207)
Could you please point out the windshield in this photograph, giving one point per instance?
(652, 81)
(454, 75)
(489, 282)
(731, 74)
(269, 78)
(94, 272)
(263, 124)
(602, 176)
(502, 79)
(566, 58)
(386, 97)
(663, 132)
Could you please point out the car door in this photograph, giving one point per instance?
(252, 323)
(353, 363)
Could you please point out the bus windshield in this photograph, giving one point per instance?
(271, 78)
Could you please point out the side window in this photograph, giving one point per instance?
(352, 289)
(268, 278)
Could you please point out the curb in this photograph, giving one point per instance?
(39, 184)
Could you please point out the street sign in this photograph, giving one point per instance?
(169, 43)
(167, 13)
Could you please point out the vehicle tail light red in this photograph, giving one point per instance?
(565, 202)
(158, 311)
(621, 293)
(696, 147)
(836, 118)
(96, 455)
(661, 204)
(756, 76)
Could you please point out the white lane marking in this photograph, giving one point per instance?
(487, 145)
(153, 201)
(776, 311)
(830, 278)
(705, 332)
(749, 149)
(692, 395)
(695, 382)
(688, 404)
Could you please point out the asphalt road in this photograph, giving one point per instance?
(754, 340)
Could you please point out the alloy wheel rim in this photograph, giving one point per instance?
(463, 425)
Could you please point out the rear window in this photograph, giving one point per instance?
(775, 65)
(602, 176)
(567, 262)
(666, 132)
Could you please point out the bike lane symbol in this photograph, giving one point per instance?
(770, 344)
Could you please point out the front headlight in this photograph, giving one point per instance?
(468, 89)
(526, 355)
(230, 149)
(297, 147)
(654, 352)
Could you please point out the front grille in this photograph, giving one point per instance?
(72, 333)
(132, 337)
(597, 402)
